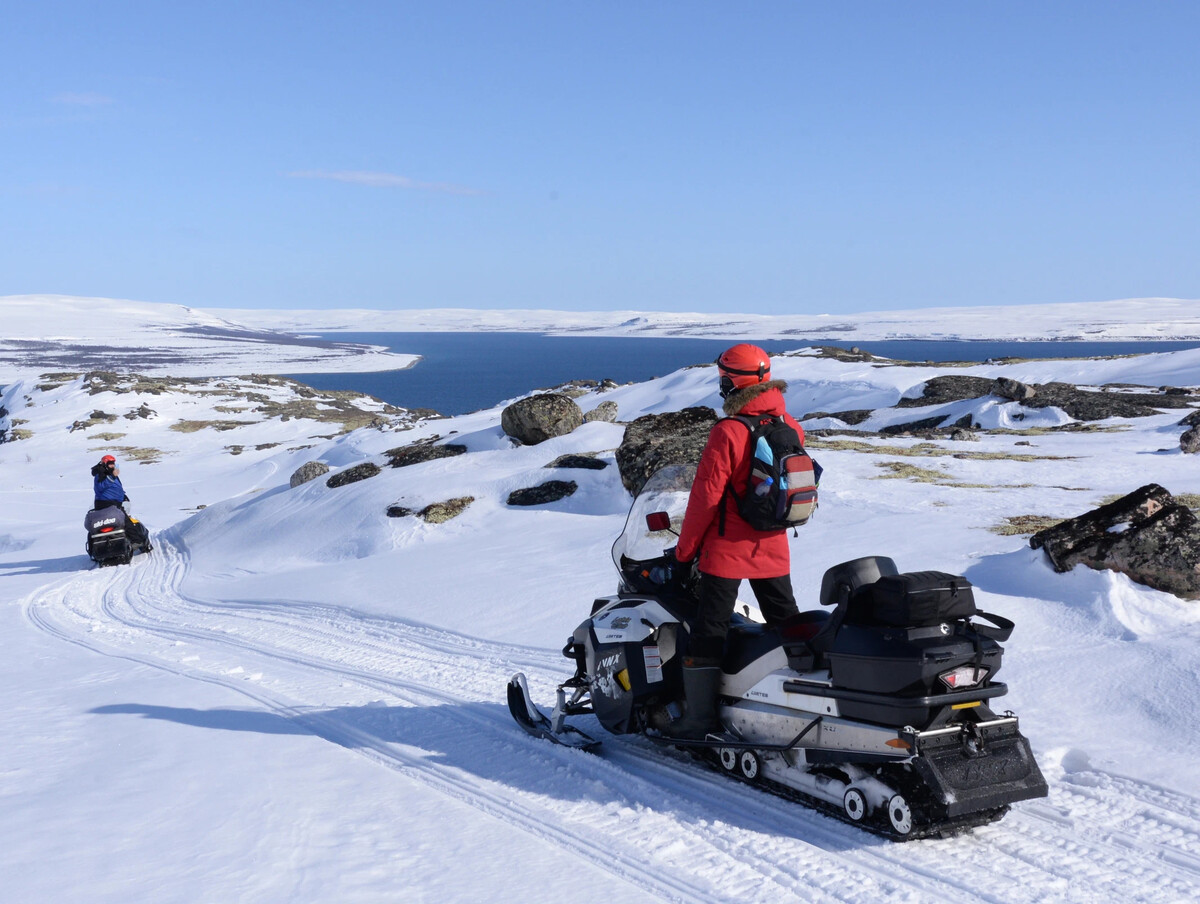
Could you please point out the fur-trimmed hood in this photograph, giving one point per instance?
(740, 398)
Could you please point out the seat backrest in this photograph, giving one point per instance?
(843, 579)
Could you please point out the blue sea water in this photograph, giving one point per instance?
(461, 372)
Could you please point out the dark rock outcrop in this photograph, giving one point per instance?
(310, 470)
(1084, 405)
(538, 418)
(606, 412)
(656, 440)
(1190, 441)
(929, 423)
(550, 491)
(1145, 535)
(1192, 420)
(1008, 388)
(353, 475)
(144, 411)
(853, 418)
(955, 388)
(415, 453)
(586, 462)
(398, 511)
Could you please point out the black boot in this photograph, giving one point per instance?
(701, 681)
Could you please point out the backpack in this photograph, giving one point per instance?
(781, 490)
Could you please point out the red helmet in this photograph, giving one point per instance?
(108, 460)
(743, 365)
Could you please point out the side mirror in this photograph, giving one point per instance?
(658, 521)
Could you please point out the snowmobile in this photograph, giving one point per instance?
(876, 709)
(110, 539)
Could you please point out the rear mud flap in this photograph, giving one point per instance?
(971, 773)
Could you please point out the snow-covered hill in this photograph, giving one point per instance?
(1133, 318)
(63, 333)
(299, 698)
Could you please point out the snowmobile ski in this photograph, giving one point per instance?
(534, 721)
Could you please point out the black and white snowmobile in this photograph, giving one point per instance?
(113, 536)
(876, 710)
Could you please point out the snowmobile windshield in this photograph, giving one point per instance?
(667, 491)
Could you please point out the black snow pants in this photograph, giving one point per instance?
(717, 597)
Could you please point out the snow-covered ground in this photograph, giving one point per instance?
(45, 333)
(1134, 318)
(297, 698)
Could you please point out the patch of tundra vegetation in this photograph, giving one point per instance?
(898, 470)
(256, 398)
(1024, 525)
(924, 450)
(107, 437)
(140, 454)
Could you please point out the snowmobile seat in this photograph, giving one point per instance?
(749, 640)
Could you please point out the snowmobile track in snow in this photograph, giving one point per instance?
(667, 825)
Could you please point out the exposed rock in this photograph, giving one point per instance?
(1145, 535)
(925, 424)
(656, 440)
(1192, 420)
(550, 491)
(1083, 405)
(353, 475)
(96, 417)
(939, 390)
(425, 450)
(143, 412)
(1008, 388)
(1190, 441)
(853, 354)
(440, 512)
(310, 470)
(852, 418)
(398, 511)
(961, 434)
(587, 462)
(605, 411)
(538, 418)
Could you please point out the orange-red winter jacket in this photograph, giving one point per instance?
(742, 551)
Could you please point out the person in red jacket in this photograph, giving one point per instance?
(727, 549)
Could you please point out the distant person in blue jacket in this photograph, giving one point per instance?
(110, 492)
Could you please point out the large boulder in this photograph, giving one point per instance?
(654, 441)
(418, 452)
(538, 418)
(1146, 535)
(550, 491)
(1190, 441)
(353, 475)
(310, 470)
(605, 412)
(586, 462)
(1008, 388)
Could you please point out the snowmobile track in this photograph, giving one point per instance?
(669, 826)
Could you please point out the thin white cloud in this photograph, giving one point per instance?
(384, 180)
(85, 99)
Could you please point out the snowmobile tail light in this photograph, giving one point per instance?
(963, 676)
(623, 679)
(898, 743)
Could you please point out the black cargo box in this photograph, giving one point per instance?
(904, 664)
(919, 598)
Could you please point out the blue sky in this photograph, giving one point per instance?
(770, 157)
